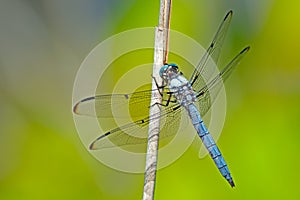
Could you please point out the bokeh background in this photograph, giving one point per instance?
(43, 43)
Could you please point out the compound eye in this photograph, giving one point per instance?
(173, 65)
(162, 71)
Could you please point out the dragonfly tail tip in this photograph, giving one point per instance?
(231, 183)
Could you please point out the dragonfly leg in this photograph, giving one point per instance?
(159, 87)
(165, 103)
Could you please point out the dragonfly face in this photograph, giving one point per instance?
(168, 71)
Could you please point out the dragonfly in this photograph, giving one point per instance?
(179, 95)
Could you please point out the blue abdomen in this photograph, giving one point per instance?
(209, 142)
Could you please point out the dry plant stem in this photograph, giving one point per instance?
(160, 57)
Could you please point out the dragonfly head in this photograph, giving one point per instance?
(168, 69)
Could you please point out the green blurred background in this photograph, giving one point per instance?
(43, 43)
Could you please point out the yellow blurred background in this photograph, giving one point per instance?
(42, 46)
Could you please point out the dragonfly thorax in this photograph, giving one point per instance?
(182, 90)
(178, 84)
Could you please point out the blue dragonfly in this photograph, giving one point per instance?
(192, 96)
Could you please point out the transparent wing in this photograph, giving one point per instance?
(204, 70)
(207, 94)
(136, 132)
(133, 107)
(116, 105)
